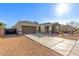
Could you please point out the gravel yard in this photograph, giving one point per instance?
(14, 45)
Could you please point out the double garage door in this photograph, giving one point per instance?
(28, 29)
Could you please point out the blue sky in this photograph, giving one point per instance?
(40, 12)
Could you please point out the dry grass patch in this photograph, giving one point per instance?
(70, 36)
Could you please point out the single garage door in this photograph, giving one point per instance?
(28, 29)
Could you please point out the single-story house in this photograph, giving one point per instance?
(25, 27)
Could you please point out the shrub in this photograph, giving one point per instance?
(61, 33)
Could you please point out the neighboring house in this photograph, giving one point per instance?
(25, 27)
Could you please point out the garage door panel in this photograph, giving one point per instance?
(28, 29)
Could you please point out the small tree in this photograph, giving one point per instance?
(73, 24)
(2, 31)
(2, 25)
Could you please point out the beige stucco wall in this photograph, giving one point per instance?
(50, 28)
(37, 29)
(18, 28)
(42, 28)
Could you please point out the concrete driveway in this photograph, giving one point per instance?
(63, 46)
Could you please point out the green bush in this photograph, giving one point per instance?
(2, 25)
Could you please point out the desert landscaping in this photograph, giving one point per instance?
(14, 45)
(33, 39)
